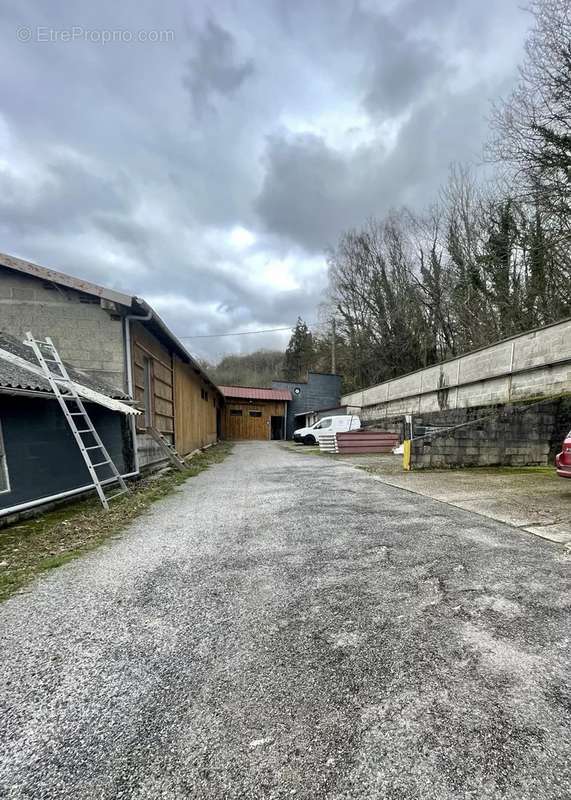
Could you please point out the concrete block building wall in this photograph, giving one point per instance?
(85, 333)
(88, 325)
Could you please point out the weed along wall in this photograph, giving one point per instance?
(511, 435)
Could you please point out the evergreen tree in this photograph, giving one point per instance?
(300, 353)
(500, 266)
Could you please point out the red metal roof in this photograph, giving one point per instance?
(255, 393)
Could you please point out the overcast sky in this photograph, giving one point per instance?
(208, 170)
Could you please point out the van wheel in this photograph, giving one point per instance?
(309, 439)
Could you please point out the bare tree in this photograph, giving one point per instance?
(533, 125)
(415, 288)
(481, 264)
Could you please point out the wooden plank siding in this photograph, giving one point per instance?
(244, 425)
(149, 354)
(196, 404)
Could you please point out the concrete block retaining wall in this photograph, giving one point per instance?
(510, 436)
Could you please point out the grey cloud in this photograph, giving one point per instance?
(150, 187)
(122, 228)
(312, 192)
(399, 65)
(277, 311)
(215, 69)
(402, 73)
(62, 198)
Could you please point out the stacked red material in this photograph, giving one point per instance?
(364, 441)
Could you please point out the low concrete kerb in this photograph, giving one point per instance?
(563, 538)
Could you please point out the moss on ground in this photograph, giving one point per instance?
(547, 471)
(47, 541)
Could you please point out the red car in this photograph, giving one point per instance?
(563, 459)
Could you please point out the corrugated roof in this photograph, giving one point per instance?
(254, 393)
(13, 376)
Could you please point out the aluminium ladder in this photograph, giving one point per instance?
(72, 406)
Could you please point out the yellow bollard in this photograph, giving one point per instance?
(406, 465)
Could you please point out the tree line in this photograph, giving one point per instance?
(305, 351)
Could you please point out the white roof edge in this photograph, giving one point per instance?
(82, 391)
(103, 399)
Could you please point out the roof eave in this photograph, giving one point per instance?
(52, 275)
(145, 307)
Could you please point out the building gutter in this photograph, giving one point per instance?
(37, 394)
(129, 370)
(14, 392)
(61, 496)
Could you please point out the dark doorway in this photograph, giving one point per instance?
(277, 427)
(218, 423)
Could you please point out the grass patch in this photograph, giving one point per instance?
(46, 542)
(385, 469)
(543, 470)
(304, 449)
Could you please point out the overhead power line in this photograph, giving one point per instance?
(235, 333)
(239, 333)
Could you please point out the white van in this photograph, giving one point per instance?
(326, 425)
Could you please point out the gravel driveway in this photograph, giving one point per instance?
(286, 626)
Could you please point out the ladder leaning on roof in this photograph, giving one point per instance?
(72, 406)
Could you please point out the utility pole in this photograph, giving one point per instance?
(333, 342)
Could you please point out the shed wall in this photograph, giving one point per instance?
(145, 347)
(41, 454)
(320, 390)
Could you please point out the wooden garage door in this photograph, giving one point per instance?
(244, 420)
